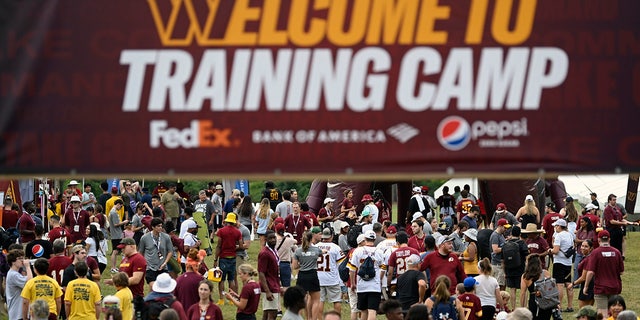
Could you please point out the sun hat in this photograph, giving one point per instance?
(472, 234)
(73, 182)
(532, 228)
(164, 284)
(231, 218)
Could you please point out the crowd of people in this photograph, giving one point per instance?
(448, 261)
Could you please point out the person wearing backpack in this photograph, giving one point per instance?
(366, 263)
(514, 253)
(497, 241)
(562, 260)
(441, 305)
(161, 297)
(533, 272)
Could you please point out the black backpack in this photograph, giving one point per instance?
(367, 270)
(511, 254)
(343, 270)
(152, 308)
(352, 236)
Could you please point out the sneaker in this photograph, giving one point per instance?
(114, 270)
(220, 302)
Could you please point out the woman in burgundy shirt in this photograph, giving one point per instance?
(205, 308)
(348, 206)
(248, 300)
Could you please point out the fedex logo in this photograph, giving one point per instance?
(199, 134)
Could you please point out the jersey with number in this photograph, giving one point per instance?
(328, 263)
(357, 258)
(398, 261)
(57, 264)
(386, 247)
(471, 305)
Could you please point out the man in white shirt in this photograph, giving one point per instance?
(328, 271)
(368, 290)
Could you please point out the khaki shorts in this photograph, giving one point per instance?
(602, 301)
(270, 305)
(498, 273)
(331, 293)
(353, 300)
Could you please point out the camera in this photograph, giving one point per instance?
(557, 315)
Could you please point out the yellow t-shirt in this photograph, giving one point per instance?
(126, 302)
(43, 287)
(83, 295)
(109, 205)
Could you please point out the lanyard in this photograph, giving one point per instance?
(295, 223)
(275, 253)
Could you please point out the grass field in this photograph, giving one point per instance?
(630, 283)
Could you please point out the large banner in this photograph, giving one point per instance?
(319, 86)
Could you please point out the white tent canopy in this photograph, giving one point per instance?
(580, 187)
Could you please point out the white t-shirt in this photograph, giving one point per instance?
(190, 241)
(565, 240)
(95, 251)
(357, 258)
(486, 289)
(328, 264)
(386, 247)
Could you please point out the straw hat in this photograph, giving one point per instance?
(532, 228)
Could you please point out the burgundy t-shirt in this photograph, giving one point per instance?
(311, 217)
(448, 265)
(27, 223)
(229, 236)
(131, 264)
(538, 245)
(251, 292)
(60, 232)
(82, 222)
(607, 263)
(296, 226)
(57, 264)
(10, 218)
(268, 265)
(187, 289)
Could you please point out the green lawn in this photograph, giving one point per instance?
(629, 280)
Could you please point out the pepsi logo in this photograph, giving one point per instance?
(454, 133)
(38, 251)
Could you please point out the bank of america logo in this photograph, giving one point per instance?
(403, 132)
